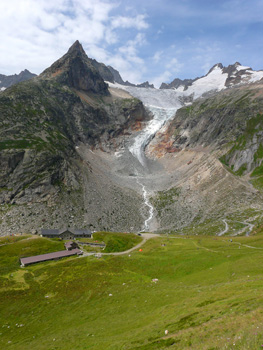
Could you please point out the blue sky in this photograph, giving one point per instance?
(144, 40)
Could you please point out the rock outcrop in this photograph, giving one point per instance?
(76, 70)
(229, 122)
(42, 123)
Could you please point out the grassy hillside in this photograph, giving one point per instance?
(208, 296)
(117, 242)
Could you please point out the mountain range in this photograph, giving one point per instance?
(67, 140)
(9, 80)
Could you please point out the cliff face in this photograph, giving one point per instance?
(42, 122)
(229, 122)
(213, 152)
(76, 70)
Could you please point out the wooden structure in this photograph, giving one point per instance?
(71, 245)
(50, 256)
(67, 233)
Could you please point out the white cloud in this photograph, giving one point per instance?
(130, 50)
(36, 33)
(166, 76)
(157, 56)
(137, 22)
(173, 64)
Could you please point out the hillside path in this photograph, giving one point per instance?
(225, 230)
(145, 238)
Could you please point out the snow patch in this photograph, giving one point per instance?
(215, 80)
(255, 76)
(238, 68)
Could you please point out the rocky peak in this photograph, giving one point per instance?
(176, 83)
(217, 65)
(116, 76)
(76, 70)
(76, 48)
(146, 84)
(9, 80)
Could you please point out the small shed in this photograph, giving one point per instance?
(71, 245)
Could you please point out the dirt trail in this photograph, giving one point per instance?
(225, 230)
(248, 225)
(145, 236)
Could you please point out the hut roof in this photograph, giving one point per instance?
(57, 232)
(49, 256)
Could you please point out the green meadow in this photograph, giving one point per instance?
(207, 292)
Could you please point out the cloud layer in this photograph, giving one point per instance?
(155, 41)
(35, 33)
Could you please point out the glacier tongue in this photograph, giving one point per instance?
(161, 116)
(166, 98)
(163, 104)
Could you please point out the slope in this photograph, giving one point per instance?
(206, 292)
(194, 148)
(42, 123)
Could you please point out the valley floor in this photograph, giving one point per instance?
(204, 291)
(190, 186)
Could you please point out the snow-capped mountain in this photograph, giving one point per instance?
(218, 78)
(163, 103)
(188, 90)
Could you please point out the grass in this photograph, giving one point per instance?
(208, 296)
(258, 183)
(208, 227)
(253, 127)
(165, 198)
(117, 242)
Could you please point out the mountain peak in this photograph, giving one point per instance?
(217, 65)
(76, 48)
(76, 70)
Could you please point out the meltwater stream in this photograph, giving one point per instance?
(163, 104)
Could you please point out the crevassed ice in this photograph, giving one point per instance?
(163, 103)
(161, 116)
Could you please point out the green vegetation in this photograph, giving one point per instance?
(259, 153)
(208, 296)
(253, 125)
(241, 170)
(258, 171)
(165, 198)
(258, 182)
(208, 227)
(117, 242)
(37, 143)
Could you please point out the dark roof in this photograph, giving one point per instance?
(50, 232)
(78, 231)
(75, 231)
(49, 256)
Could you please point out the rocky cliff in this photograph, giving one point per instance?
(213, 150)
(229, 122)
(43, 122)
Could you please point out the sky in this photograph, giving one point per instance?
(156, 40)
